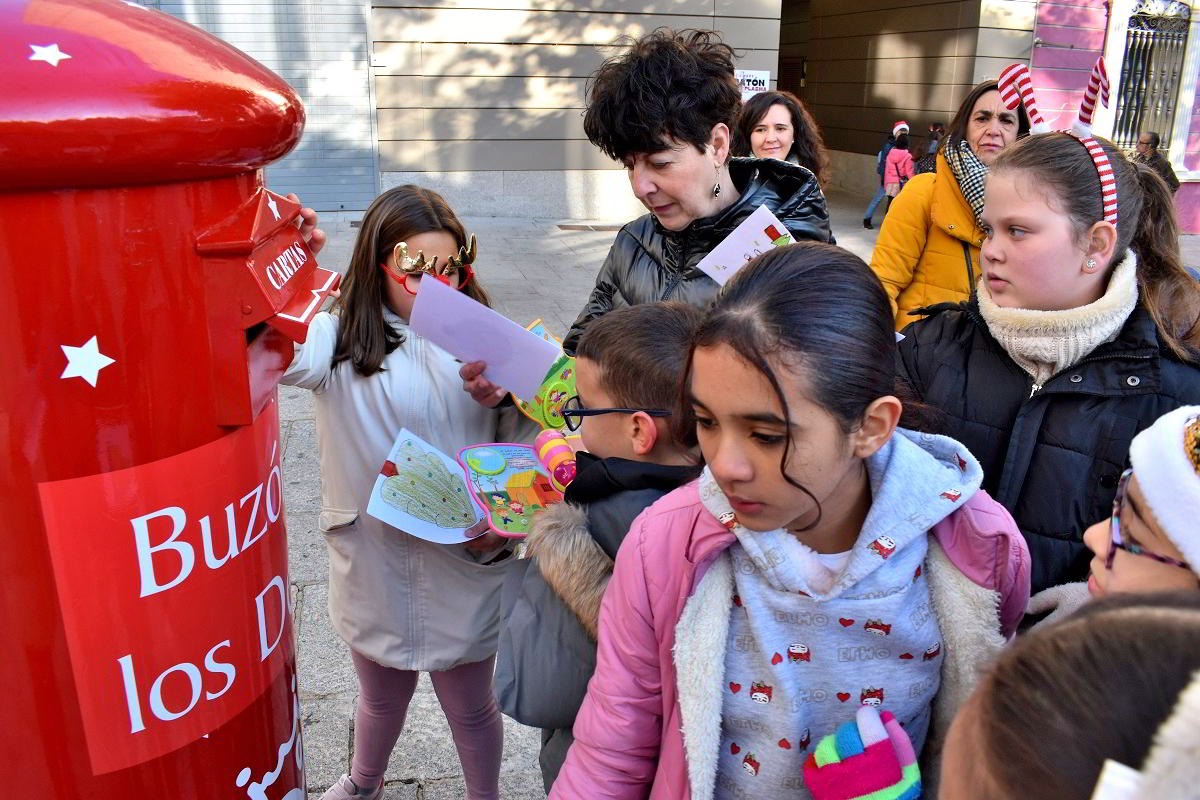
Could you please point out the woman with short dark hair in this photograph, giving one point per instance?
(666, 108)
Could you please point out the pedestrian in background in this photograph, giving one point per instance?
(1147, 153)
(928, 162)
(880, 164)
(898, 169)
(928, 248)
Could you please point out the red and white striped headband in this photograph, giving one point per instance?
(1016, 88)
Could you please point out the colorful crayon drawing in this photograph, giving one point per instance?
(423, 492)
(423, 487)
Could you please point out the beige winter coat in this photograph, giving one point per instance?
(398, 600)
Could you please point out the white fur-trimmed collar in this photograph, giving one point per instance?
(700, 642)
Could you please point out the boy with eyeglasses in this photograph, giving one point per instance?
(630, 365)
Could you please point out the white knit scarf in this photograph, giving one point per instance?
(1044, 343)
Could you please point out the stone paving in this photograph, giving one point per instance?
(532, 268)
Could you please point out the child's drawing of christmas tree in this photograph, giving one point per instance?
(423, 487)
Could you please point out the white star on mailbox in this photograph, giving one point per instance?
(271, 204)
(48, 53)
(85, 362)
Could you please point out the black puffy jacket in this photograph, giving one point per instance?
(647, 263)
(1052, 458)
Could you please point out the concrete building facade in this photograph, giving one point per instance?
(483, 99)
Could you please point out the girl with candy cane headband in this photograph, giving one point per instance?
(1083, 332)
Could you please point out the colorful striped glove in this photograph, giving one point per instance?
(868, 758)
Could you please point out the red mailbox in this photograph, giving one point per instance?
(152, 288)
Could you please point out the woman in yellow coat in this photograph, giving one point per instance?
(928, 247)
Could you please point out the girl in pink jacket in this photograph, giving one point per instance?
(898, 168)
(825, 559)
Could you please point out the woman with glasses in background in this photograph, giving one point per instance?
(1151, 542)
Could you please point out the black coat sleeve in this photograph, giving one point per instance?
(806, 215)
(908, 360)
(600, 302)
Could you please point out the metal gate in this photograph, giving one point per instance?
(1153, 66)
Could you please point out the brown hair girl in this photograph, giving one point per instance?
(1146, 223)
(364, 336)
(1062, 700)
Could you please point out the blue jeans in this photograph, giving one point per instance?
(875, 201)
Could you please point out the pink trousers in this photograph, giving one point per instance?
(465, 694)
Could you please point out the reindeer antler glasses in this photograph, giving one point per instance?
(455, 272)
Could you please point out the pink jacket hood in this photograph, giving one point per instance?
(630, 732)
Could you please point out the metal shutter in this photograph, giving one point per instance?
(321, 49)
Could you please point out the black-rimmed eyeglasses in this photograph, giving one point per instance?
(573, 412)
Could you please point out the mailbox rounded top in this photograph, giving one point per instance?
(108, 93)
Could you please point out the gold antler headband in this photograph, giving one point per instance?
(464, 258)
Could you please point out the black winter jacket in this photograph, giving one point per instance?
(551, 599)
(1051, 458)
(647, 263)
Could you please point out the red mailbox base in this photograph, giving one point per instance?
(143, 553)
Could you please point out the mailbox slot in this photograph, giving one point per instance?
(263, 288)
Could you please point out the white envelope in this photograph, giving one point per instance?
(517, 359)
(747, 240)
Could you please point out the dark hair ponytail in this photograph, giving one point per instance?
(819, 310)
(1169, 293)
(1145, 224)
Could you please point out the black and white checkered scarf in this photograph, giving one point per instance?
(970, 173)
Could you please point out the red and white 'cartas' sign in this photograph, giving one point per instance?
(173, 582)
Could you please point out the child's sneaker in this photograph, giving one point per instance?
(345, 789)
